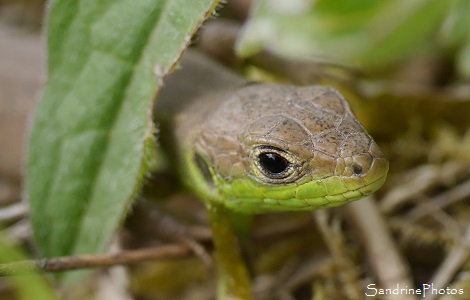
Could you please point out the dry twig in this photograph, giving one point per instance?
(68, 263)
(451, 264)
(384, 257)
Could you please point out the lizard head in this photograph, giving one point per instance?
(286, 148)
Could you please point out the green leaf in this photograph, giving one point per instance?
(364, 33)
(455, 36)
(31, 286)
(93, 132)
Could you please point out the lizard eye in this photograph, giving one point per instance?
(273, 164)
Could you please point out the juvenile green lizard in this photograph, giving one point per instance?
(247, 148)
(257, 148)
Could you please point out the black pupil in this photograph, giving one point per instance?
(273, 163)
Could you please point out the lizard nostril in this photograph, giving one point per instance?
(357, 169)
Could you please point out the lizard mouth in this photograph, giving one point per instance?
(314, 194)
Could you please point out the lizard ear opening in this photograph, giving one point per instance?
(204, 168)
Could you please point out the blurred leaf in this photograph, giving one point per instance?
(456, 35)
(456, 30)
(463, 60)
(364, 33)
(32, 286)
(93, 132)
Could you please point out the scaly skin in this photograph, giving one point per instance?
(333, 160)
(255, 148)
(222, 126)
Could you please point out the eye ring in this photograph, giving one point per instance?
(274, 165)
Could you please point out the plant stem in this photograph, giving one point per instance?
(234, 281)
